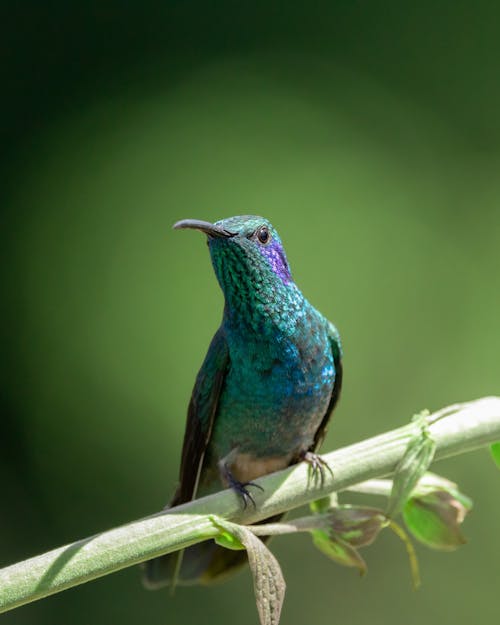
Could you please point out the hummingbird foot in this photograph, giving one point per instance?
(318, 466)
(240, 488)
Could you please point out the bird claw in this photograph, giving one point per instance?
(240, 488)
(317, 465)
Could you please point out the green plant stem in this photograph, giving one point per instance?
(456, 430)
(382, 487)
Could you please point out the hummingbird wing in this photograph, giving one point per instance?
(167, 570)
(336, 347)
(201, 416)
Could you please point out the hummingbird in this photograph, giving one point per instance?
(265, 392)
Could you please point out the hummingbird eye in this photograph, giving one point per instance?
(263, 235)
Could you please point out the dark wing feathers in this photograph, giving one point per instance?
(201, 415)
(337, 361)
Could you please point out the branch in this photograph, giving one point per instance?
(455, 430)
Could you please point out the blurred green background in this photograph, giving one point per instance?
(369, 133)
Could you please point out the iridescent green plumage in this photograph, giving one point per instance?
(264, 393)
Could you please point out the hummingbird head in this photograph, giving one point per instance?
(247, 253)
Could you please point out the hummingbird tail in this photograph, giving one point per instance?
(204, 563)
(201, 564)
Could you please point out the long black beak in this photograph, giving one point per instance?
(209, 229)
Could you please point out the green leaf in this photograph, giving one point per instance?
(412, 466)
(320, 506)
(356, 525)
(347, 528)
(338, 550)
(433, 482)
(229, 541)
(269, 585)
(351, 527)
(435, 518)
(495, 452)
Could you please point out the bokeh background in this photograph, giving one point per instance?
(369, 133)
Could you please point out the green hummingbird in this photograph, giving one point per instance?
(265, 391)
